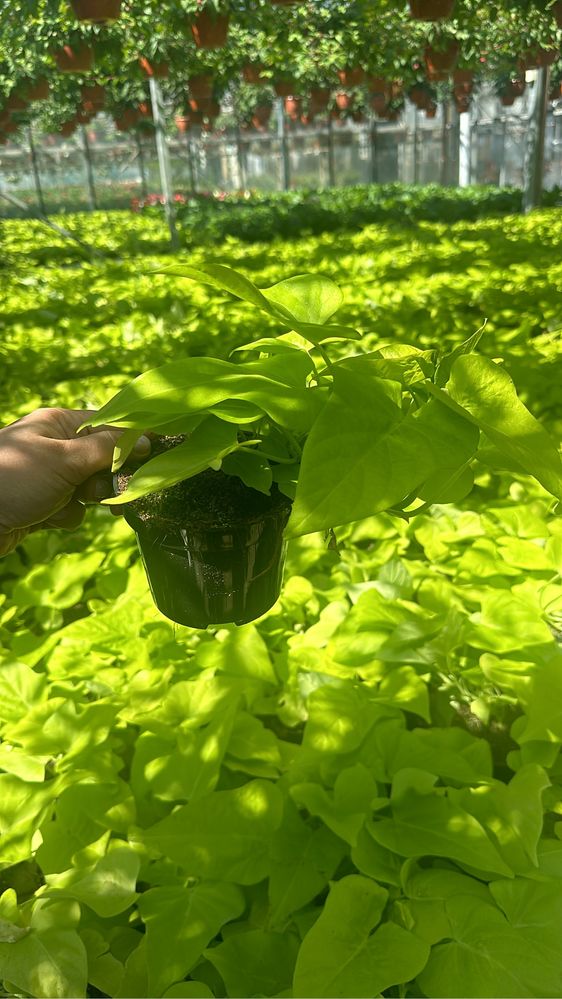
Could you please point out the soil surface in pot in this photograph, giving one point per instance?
(212, 499)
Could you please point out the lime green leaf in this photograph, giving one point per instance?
(341, 956)
(255, 962)
(211, 440)
(193, 836)
(303, 860)
(180, 922)
(310, 298)
(487, 392)
(109, 888)
(251, 467)
(386, 454)
(48, 965)
(435, 825)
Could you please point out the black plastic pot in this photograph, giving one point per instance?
(201, 575)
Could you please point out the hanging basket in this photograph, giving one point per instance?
(261, 114)
(285, 88)
(96, 10)
(538, 58)
(158, 70)
(15, 103)
(319, 97)
(293, 107)
(201, 86)
(252, 73)
(343, 101)
(67, 129)
(183, 123)
(354, 77)
(210, 31)
(75, 60)
(38, 91)
(441, 61)
(431, 10)
(93, 94)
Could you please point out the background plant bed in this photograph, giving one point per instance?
(212, 548)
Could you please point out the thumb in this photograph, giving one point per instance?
(92, 451)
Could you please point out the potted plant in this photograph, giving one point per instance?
(75, 58)
(302, 437)
(96, 10)
(160, 70)
(209, 25)
(431, 10)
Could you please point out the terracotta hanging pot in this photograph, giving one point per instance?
(463, 76)
(261, 114)
(206, 105)
(79, 59)
(183, 123)
(462, 103)
(145, 109)
(353, 77)
(252, 73)
(307, 119)
(67, 129)
(538, 58)
(285, 88)
(293, 107)
(431, 10)
(93, 94)
(96, 10)
(377, 84)
(210, 30)
(440, 63)
(158, 70)
(343, 101)
(319, 97)
(126, 120)
(431, 111)
(378, 103)
(507, 100)
(15, 103)
(201, 86)
(38, 91)
(419, 96)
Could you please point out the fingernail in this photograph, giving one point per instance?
(142, 447)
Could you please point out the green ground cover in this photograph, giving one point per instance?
(361, 792)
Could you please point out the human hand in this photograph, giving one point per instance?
(48, 471)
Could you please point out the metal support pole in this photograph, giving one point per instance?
(331, 163)
(374, 151)
(282, 134)
(415, 132)
(465, 149)
(89, 170)
(241, 154)
(444, 144)
(191, 164)
(36, 174)
(140, 151)
(163, 160)
(534, 159)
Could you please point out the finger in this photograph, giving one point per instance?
(95, 489)
(94, 453)
(69, 517)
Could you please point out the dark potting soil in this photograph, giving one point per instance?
(213, 499)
